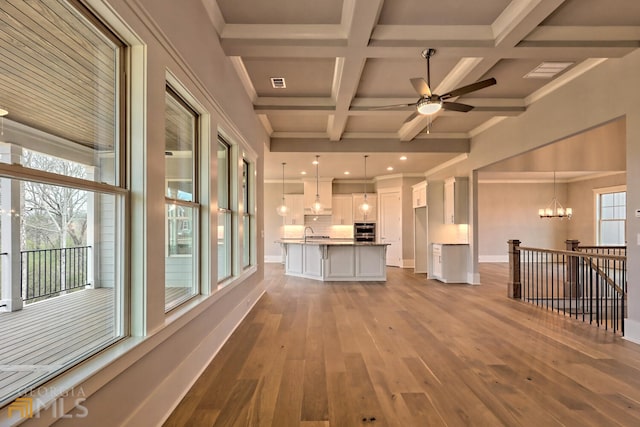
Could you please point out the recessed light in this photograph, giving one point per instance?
(347, 172)
(303, 173)
(315, 162)
(390, 168)
(403, 157)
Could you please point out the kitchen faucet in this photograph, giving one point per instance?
(304, 234)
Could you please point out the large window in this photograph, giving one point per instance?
(62, 195)
(225, 212)
(181, 258)
(247, 214)
(611, 216)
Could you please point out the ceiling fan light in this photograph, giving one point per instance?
(426, 106)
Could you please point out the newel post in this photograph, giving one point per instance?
(514, 285)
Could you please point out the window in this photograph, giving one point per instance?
(181, 143)
(247, 217)
(63, 209)
(611, 216)
(225, 212)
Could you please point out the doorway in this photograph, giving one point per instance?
(391, 225)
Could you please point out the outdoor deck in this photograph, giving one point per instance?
(43, 336)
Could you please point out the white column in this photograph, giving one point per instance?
(10, 210)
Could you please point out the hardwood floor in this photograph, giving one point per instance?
(412, 352)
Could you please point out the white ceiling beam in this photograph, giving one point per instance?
(242, 72)
(363, 16)
(322, 145)
(556, 34)
(519, 18)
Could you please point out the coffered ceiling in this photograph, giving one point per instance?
(341, 58)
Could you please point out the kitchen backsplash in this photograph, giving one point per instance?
(321, 226)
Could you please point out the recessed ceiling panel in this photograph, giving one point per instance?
(385, 78)
(596, 13)
(384, 122)
(450, 12)
(460, 122)
(303, 76)
(281, 12)
(298, 123)
(509, 74)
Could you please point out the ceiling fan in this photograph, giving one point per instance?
(430, 103)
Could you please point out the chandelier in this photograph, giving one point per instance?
(283, 210)
(555, 209)
(365, 207)
(317, 206)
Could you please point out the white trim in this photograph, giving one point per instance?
(493, 258)
(473, 278)
(408, 263)
(277, 259)
(447, 164)
(184, 376)
(632, 330)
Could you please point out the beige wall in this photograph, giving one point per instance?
(510, 211)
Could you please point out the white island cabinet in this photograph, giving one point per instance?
(336, 261)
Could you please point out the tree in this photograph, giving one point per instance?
(53, 216)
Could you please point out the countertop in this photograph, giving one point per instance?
(329, 242)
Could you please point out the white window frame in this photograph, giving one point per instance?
(597, 193)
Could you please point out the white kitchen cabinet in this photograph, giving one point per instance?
(358, 199)
(419, 192)
(450, 262)
(295, 203)
(342, 209)
(456, 196)
(324, 190)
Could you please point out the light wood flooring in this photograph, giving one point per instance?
(412, 352)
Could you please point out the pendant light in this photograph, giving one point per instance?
(555, 209)
(317, 207)
(365, 207)
(283, 210)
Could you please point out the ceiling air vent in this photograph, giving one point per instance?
(278, 82)
(547, 70)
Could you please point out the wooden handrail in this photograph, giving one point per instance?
(574, 253)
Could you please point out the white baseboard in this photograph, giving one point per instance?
(632, 330)
(273, 259)
(473, 278)
(183, 377)
(493, 258)
(408, 263)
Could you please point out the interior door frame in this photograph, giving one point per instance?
(381, 192)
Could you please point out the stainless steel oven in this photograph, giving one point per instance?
(364, 231)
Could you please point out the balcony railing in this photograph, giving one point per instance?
(50, 272)
(589, 284)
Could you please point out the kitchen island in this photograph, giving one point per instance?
(335, 260)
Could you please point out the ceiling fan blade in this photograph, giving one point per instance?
(421, 86)
(469, 88)
(411, 117)
(456, 106)
(387, 107)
